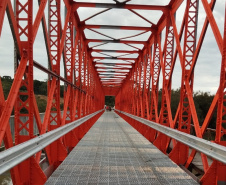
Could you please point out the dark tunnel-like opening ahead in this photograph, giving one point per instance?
(110, 101)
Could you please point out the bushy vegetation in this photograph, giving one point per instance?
(41, 104)
(6, 84)
(202, 100)
(40, 88)
(110, 101)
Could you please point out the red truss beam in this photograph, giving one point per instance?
(113, 68)
(144, 105)
(116, 41)
(165, 117)
(59, 42)
(113, 51)
(155, 71)
(147, 74)
(111, 81)
(114, 58)
(111, 74)
(24, 105)
(114, 71)
(3, 5)
(120, 6)
(87, 81)
(118, 27)
(187, 107)
(112, 64)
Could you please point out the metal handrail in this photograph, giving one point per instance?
(213, 150)
(17, 154)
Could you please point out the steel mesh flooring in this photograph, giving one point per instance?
(113, 152)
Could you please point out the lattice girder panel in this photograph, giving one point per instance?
(147, 75)
(186, 112)
(165, 116)
(85, 89)
(155, 72)
(59, 41)
(24, 106)
(165, 113)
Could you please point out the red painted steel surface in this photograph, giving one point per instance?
(134, 81)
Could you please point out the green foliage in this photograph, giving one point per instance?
(41, 104)
(6, 84)
(61, 106)
(40, 88)
(110, 101)
(43, 88)
(202, 100)
(175, 98)
(62, 91)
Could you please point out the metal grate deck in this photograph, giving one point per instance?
(113, 152)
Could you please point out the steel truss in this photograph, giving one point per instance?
(164, 61)
(134, 81)
(83, 93)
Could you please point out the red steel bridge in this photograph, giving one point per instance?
(98, 63)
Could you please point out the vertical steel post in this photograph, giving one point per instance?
(56, 151)
(29, 170)
(162, 141)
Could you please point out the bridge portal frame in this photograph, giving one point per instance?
(83, 91)
(186, 111)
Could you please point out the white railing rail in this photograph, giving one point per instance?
(213, 150)
(17, 154)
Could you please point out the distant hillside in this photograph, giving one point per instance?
(40, 90)
(202, 100)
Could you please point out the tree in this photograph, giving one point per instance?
(42, 103)
(203, 101)
(110, 101)
(6, 84)
(175, 99)
(43, 88)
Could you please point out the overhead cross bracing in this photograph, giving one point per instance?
(127, 48)
(120, 41)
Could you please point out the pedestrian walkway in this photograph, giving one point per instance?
(113, 152)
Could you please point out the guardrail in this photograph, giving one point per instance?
(213, 150)
(17, 154)
(24, 119)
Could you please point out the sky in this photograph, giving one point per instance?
(207, 69)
